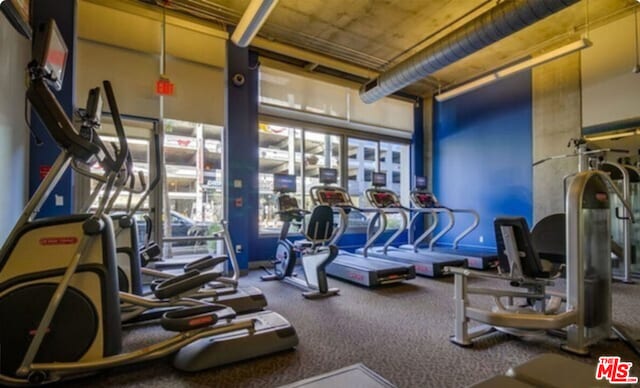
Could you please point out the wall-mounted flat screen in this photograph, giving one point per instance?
(328, 175)
(379, 179)
(421, 183)
(51, 53)
(284, 183)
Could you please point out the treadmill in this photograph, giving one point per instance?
(477, 258)
(427, 263)
(352, 267)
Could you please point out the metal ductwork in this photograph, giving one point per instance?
(499, 22)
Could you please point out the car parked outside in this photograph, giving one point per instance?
(181, 226)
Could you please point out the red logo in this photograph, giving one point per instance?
(356, 276)
(423, 269)
(44, 170)
(201, 321)
(474, 262)
(615, 370)
(58, 240)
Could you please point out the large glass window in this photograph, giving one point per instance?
(320, 150)
(194, 183)
(286, 150)
(280, 153)
(394, 160)
(363, 161)
(138, 141)
(369, 156)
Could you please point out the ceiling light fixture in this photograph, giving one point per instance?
(253, 18)
(467, 87)
(516, 68)
(616, 135)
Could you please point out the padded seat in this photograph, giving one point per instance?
(553, 370)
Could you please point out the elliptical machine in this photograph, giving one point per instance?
(59, 301)
(314, 255)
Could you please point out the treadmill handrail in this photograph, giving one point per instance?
(393, 208)
(461, 235)
(444, 231)
(344, 224)
(469, 229)
(343, 208)
(417, 212)
(403, 226)
(383, 225)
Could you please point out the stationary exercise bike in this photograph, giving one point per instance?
(313, 254)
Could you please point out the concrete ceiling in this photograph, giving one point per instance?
(377, 34)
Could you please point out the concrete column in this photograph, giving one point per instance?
(556, 119)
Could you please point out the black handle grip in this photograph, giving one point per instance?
(117, 122)
(618, 216)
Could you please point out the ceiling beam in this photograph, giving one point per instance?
(311, 57)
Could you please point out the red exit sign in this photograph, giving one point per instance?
(164, 87)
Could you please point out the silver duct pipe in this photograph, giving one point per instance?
(499, 22)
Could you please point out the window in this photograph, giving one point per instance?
(138, 140)
(368, 175)
(280, 153)
(397, 168)
(333, 113)
(320, 150)
(283, 151)
(301, 152)
(362, 163)
(194, 185)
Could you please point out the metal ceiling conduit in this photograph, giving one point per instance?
(499, 22)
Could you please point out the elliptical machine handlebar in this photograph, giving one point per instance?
(123, 149)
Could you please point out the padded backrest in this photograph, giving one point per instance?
(548, 236)
(530, 264)
(320, 225)
(287, 202)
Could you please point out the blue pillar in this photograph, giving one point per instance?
(417, 140)
(43, 150)
(241, 152)
(417, 150)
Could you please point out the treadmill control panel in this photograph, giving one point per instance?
(333, 198)
(383, 199)
(425, 200)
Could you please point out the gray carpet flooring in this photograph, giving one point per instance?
(400, 331)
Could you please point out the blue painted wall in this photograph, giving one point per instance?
(43, 155)
(483, 153)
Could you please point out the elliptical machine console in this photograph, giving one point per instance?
(314, 256)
